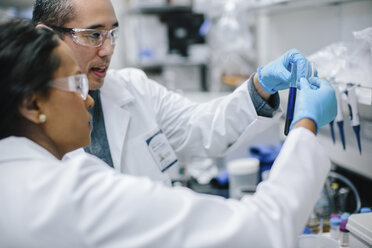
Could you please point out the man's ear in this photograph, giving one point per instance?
(29, 108)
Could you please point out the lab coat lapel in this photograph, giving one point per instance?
(114, 98)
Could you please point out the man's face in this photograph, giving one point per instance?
(94, 61)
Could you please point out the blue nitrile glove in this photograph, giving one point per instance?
(277, 74)
(316, 100)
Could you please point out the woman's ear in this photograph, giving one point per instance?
(41, 25)
(29, 108)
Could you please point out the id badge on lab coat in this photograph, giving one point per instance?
(161, 151)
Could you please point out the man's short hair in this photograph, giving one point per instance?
(53, 12)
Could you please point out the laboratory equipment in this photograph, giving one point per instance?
(295, 77)
(332, 132)
(331, 124)
(342, 196)
(266, 154)
(353, 112)
(335, 226)
(243, 176)
(332, 203)
(336, 176)
(314, 224)
(332, 190)
(360, 227)
(345, 216)
(340, 118)
(322, 212)
(291, 99)
(365, 210)
(344, 234)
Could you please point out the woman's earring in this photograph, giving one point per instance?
(42, 118)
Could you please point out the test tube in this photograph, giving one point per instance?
(344, 234)
(335, 227)
(291, 99)
(309, 72)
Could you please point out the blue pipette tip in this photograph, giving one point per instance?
(290, 109)
(332, 132)
(287, 125)
(340, 125)
(357, 134)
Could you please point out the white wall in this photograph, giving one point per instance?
(117, 60)
(310, 28)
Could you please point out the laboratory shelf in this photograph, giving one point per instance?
(152, 64)
(155, 65)
(167, 9)
(17, 3)
(290, 5)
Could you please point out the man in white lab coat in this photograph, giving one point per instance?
(141, 128)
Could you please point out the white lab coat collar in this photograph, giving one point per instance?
(116, 91)
(21, 148)
(115, 96)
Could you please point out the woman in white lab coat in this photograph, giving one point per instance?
(80, 202)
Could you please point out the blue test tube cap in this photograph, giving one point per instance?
(222, 178)
(365, 210)
(345, 216)
(335, 221)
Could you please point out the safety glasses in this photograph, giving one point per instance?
(90, 37)
(78, 83)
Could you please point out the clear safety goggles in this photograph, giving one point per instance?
(90, 37)
(77, 83)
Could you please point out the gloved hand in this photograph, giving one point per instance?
(277, 74)
(316, 100)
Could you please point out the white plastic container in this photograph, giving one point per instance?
(360, 228)
(243, 176)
